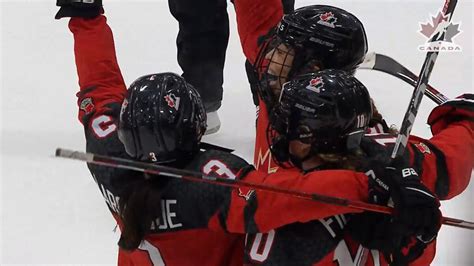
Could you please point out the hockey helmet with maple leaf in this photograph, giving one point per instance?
(330, 110)
(314, 37)
(162, 119)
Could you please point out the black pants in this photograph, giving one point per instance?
(202, 43)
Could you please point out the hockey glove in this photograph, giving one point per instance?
(416, 211)
(416, 208)
(461, 108)
(79, 8)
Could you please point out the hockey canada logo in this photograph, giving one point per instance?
(423, 148)
(327, 19)
(172, 101)
(439, 25)
(315, 85)
(123, 107)
(87, 105)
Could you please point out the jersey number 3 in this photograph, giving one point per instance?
(219, 168)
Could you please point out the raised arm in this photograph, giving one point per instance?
(446, 160)
(100, 79)
(255, 19)
(449, 157)
(102, 88)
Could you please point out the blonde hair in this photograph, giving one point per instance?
(378, 118)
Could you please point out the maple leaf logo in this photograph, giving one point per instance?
(439, 25)
(315, 84)
(326, 16)
(452, 31)
(172, 101)
(327, 19)
(316, 81)
(246, 194)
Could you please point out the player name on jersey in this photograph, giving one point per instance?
(167, 219)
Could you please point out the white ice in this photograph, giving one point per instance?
(52, 211)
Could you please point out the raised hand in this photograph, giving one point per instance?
(79, 8)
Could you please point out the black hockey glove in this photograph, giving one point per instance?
(416, 212)
(461, 108)
(416, 208)
(79, 8)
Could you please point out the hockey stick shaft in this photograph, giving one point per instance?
(388, 65)
(426, 69)
(155, 169)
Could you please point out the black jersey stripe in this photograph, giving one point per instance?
(249, 215)
(224, 212)
(442, 175)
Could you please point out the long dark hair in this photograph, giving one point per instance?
(140, 205)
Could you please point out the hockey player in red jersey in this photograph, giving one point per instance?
(312, 110)
(309, 39)
(170, 227)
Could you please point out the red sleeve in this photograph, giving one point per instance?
(259, 211)
(255, 19)
(100, 79)
(448, 158)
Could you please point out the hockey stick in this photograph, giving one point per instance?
(422, 82)
(155, 169)
(386, 64)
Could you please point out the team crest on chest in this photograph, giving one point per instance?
(423, 148)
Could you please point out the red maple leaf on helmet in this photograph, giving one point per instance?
(326, 16)
(315, 81)
(170, 101)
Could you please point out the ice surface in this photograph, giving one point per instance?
(51, 210)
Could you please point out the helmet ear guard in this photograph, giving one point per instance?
(353, 139)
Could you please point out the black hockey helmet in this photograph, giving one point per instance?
(318, 35)
(162, 119)
(329, 109)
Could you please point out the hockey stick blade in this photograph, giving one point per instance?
(388, 65)
(155, 169)
(426, 69)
